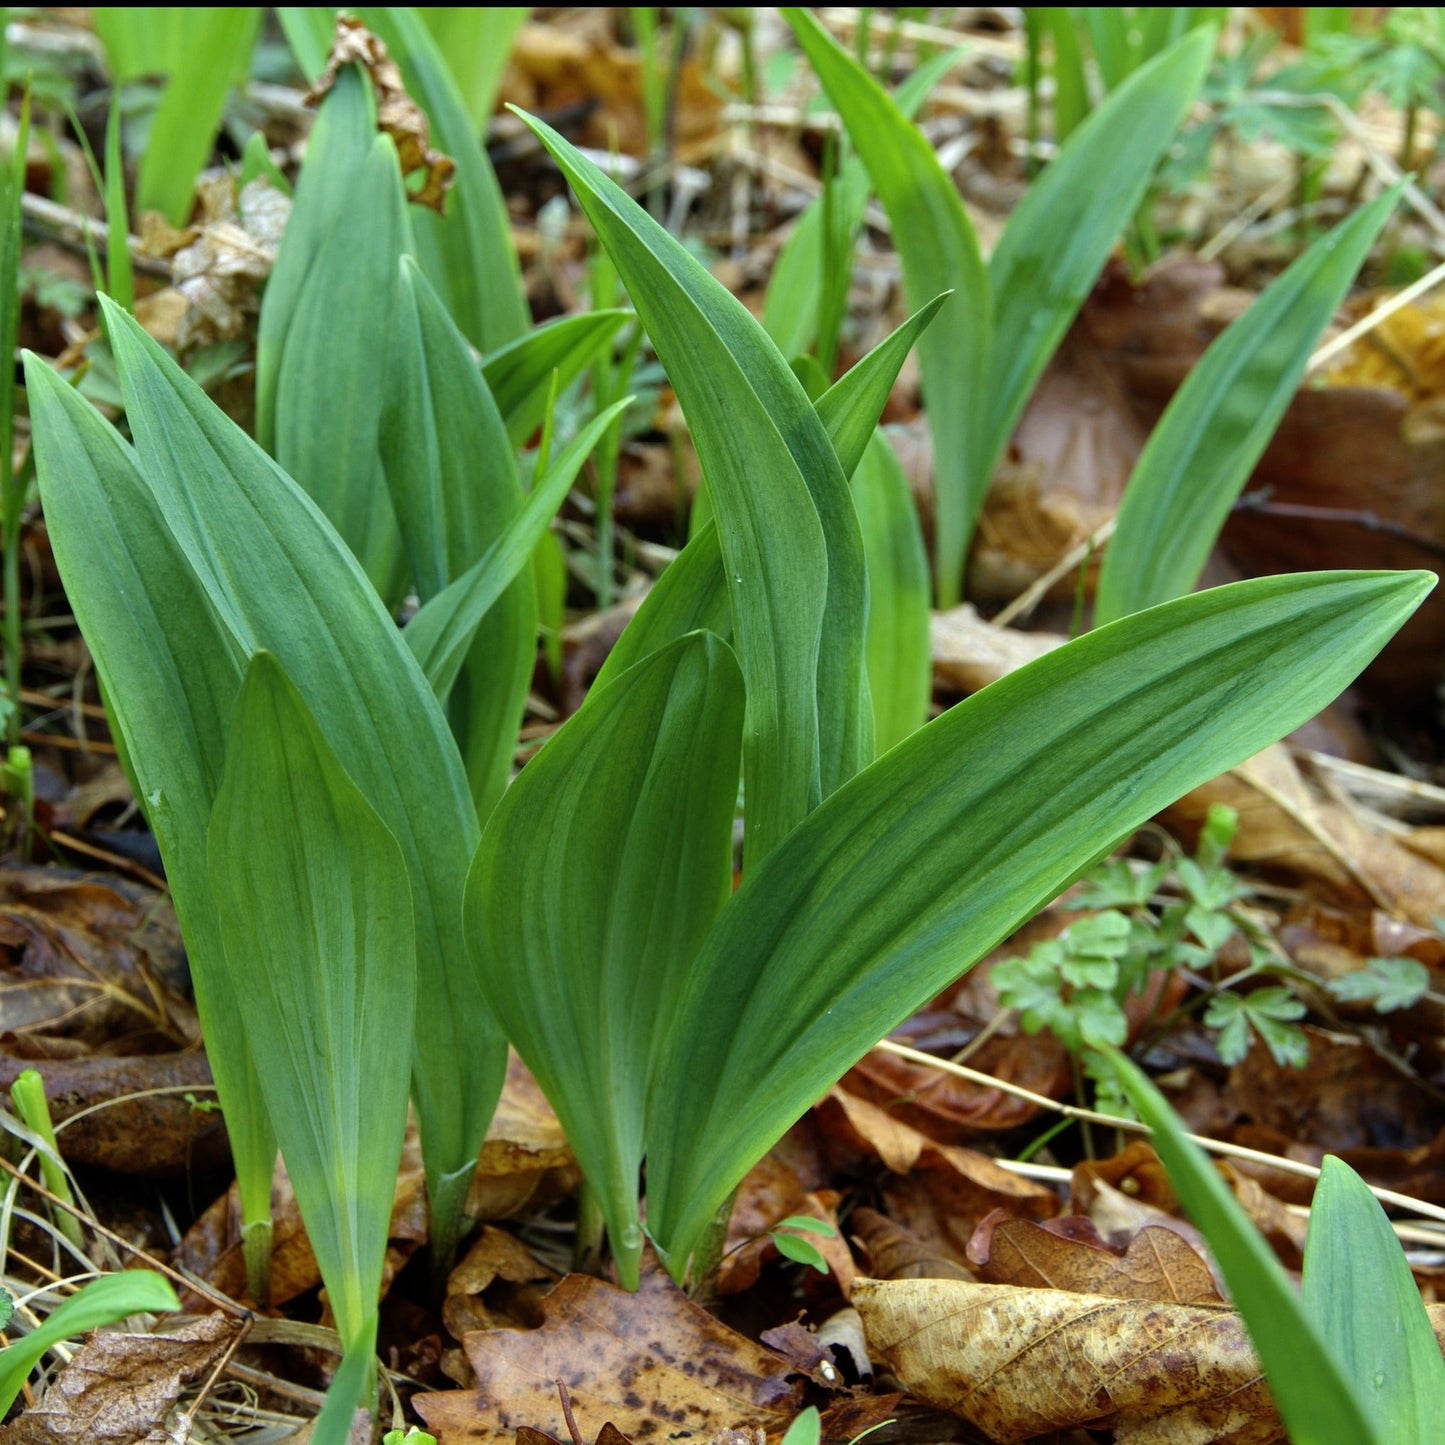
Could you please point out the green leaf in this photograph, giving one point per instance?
(1061, 232)
(805, 1429)
(850, 408)
(1314, 1395)
(1071, 86)
(442, 631)
(924, 861)
(1272, 1014)
(1388, 983)
(1361, 1297)
(474, 42)
(808, 1224)
(940, 253)
(102, 1301)
(900, 660)
(315, 911)
(800, 1251)
(596, 880)
(1218, 423)
(170, 670)
(792, 553)
(281, 579)
(454, 488)
(320, 387)
(520, 374)
(467, 254)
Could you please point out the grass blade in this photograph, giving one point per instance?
(315, 910)
(888, 891)
(1314, 1397)
(596, 881)
(1361, 1297)
(1204, 447)
(474, 41)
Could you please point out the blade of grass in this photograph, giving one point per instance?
(890, 889)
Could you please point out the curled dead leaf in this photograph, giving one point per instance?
(397, 114)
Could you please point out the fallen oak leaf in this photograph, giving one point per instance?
(653, 1364)
(1070, 1254)
(1018, 1363)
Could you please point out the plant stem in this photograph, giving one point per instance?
(449, 1222)
(587, 1251)
(27, 1093)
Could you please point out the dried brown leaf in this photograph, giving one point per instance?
(1069, 1254)
(495, 1258)
(397, 114)
(119, 1389)
(525, 1159)
(653, 1364)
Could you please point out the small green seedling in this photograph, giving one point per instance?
(788, 1235)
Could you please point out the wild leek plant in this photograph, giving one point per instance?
(674, 1022)
(1354, 1358)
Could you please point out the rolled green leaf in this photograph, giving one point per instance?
(1361, 1297)
(454, 487)
(893, 887)
(596, 881)
(792, 553)
(900, 658)
(1201, 452)
(1313, 1393)
(316, 915)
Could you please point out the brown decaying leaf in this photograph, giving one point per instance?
(397, 114)
(118, 1389)
(893, 1252)
(525, 1160)
(653, 1364)
(1069, 1254)
(495, 1258)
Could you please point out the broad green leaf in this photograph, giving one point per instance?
(913, 870)
(281, 579)
(690, 596)
(596, 881)
(315, 911)
(850, 408)
(468, 253)
(1313, 1394)
(792, 553)
(102, 1301)
(900, 659)
(1061, 232)
(1361, 1297)
(940, 253)
(520, 374)
(1071, 86)
(170, 670)
(442, 631)
(1204, 447)
(474, 41)
(454, 487)
(790, 308)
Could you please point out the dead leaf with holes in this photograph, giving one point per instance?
(1019, 1363)
(119, 1389)
(653, 1364)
